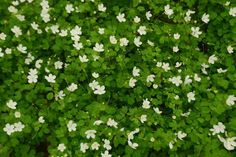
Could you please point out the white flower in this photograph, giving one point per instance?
(95, 75)
(176, 80)
(41, 119)
(9, 129)
(69, 8)
(78, 46)
(220, 70)
(121, 17)
(187, 80)
(148, 15)
(17, 114)
(63, 33)
(76, 31)
(93, 85)
(168, 10)
(55, 29)
(191, 96)
(11, 104)
(197, 78)
(51, 78)
(22, 48)
(32, 76)
(205, 18)
(165, 66)
(107, 145)
(12, 9)
(219, 128)
(112, 123)
(61, 147)
(124, 42)
(196, 32)
(155, 86)
(229, 142)
(187, 18)
(83, 58)
(18, 127)
(132, 82)
(113, 39)
(71, 126)
(133, 145)
(176, 36)
(230, 49)
(231, 100)
(143, 118)
(175, 49)
(60, 95)
(181, 135)
(72, 87)
(106, 154)
(136, 19)
(157, 110)
(135, 71)
(98, 47)
(232, 11)
(212, 59)
(90, 134)
(150, 43)
(146, 104)
(98, 122)
(3, 36)
(150, 78)
(99, 90)
(17, 31)
(137, 41)
(95, 146)
(142, 30)
(101, 7)
(101, 30)
(171, 144)
(38, 63)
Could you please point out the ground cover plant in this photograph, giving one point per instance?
(117, 78)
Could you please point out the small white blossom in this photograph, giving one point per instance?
(150, 78)
(98, 47)
(176, 80)
(90, 134)
(112, 123)
(17, 114)
(142, 30)
(165, 66)
(191, 96)
(32, 76)
(146, 104)
(71, 126)
(101, 7)
(220, 70)
(22, 48)
(132, 82)
(61, 147)
(137, 41)
(78, 45)
(93, 85)
(41, 119)
(98, 122)
(229, 142)
(212, 59)
(181, 135)
(99, 90)
(205, 18)
(113, 39)
(11, 104)
(133, 144)
(230, 49)
(95, 146)
(106, 154)
(231, 100)
(143, 118)
(83, 58)
(51, 78)
(107, 145)
(9, 129)
(232, 11)
(135, 71)
(121, 17)
(60, 95)
(175, 49)
(157, 110)
(168, 10)
(18, 127)
(219, 128)
(176, 36)
(69, 8)
(101, 30)
(197, 78)
(3, 36)
(17, 31)
(95, 75)
(196, 32)
(72, 87)
(136, 19)
(124, 42)
(148, 15)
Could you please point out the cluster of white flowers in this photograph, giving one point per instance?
(11, 128)
(131, 137)
(97, 89)
(45, 11)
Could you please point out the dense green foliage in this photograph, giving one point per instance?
(117, 78)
